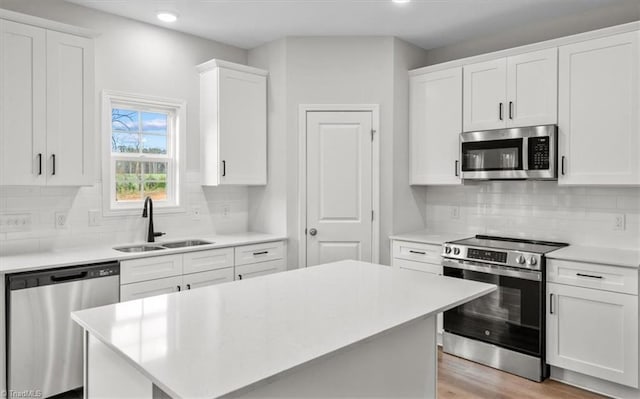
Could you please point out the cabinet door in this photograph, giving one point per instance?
(485, 91)
(435, 126)
(144, 289)
(532, 89)
(70, 91)
(203, 279)
(242, 102)
(156, 267)
(593, 332)
(200, 261)
(22, 104)
(599, 112)
(259, 269)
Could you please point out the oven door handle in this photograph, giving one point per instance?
(496, 270)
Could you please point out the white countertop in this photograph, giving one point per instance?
(101, 253)
(215, 340)
(605, 256)
(428, 237)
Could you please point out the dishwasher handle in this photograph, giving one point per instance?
(68, 277)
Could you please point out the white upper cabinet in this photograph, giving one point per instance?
(599, 112)
(485, 92)
(233, 124)
(435, 126)
(46, 110)
(532, 89)
(511, 92)
(23, 122)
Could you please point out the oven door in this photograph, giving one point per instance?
(510, 317)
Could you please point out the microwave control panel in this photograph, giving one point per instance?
(539, 152)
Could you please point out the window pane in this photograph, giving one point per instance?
(125, 142)
(155, 180)
(153, 122)
(124, 120)
(128, 181)
(152, 144)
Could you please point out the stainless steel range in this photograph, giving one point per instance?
(505, 329)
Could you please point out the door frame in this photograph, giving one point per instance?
(303, 109)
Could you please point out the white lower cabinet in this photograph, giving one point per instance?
(593, 331)
(203, 279)
(244, 272)
(144, 289)
(164, 274)
(419, 257)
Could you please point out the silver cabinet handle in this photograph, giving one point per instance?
(313, 232)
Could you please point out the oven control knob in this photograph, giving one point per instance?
(456, 251)
(447, 250)
(533, 261)
(520, 259)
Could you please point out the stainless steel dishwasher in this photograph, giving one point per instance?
(44, 346)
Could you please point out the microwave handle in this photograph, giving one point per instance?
(525, 153)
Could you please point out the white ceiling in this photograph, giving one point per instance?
(426, 23)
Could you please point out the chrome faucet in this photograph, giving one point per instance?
(151, 235)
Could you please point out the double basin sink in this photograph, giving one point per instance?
(161, 246)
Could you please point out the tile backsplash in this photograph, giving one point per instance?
(221, 210)
(539, 210)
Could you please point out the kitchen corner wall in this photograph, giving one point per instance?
(132, 57)
(336, 70)
(538, 210)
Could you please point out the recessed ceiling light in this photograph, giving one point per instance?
(401, 1)
(167, 16)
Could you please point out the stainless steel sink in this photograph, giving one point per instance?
(139, 248)
(185, 243)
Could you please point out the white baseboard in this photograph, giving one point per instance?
(594, 384)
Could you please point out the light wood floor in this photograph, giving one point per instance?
(462, 379)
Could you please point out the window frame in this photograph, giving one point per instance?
(175, 156)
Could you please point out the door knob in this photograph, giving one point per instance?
(313, 232)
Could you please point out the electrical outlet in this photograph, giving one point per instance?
(455, 212)
(94, 218)
(60, 220)
(196, 213)
(619, 222)
(226, 210)
(15, 222)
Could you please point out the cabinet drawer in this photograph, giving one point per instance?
(203, 279)
(146, 289)
(248, 254)
(259, 269)
(418, 266)
(132, 271)
(591, 275)
(201, 261)
(417, 252)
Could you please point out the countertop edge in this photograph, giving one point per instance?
(107, 253)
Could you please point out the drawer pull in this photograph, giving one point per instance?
(260, 253)
(417, 252)
(588, 275)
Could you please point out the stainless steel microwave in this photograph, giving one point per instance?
(518, 153)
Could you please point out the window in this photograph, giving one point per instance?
(143, 144)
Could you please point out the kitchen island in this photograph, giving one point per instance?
(344, 329)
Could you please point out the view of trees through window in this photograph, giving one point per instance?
(139, 142)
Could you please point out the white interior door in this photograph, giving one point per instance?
(339, 186)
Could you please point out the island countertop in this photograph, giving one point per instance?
(216, 340)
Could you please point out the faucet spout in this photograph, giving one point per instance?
(147, 211)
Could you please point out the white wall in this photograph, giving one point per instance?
(538, 210)
(139, 58)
